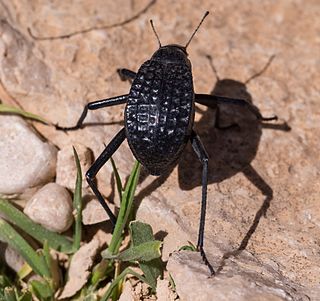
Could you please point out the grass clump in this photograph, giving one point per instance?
(106, 276)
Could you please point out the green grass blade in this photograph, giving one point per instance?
(118, 179)
(190, 247)
(15, 240)
(172, 283)
(46, 253)
(24, 271)
(12, 110)
(52, 265)
(77, 204)
(125, 208)
(16, 217)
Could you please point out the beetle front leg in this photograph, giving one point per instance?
(95, 105)
(96, 166)
(213, 100)
(203, 157)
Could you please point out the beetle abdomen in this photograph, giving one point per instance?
(159, 114)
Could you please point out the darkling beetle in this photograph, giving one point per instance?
(159, 116)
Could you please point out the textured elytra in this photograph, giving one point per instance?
(159, 114)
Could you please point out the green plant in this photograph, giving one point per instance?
(143, 251)
(16, 111)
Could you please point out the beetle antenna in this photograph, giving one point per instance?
(154, 30)
(206, 14)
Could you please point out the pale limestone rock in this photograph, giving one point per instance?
(21, 64)
(66, 165)
(164, 292)
(79, 269)
(163, 219)
(127, 292)
(13, 259)
(94, 213)
(51, 206)
(233, 282)
(25, 160)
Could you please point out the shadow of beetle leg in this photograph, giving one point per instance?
(266, 190)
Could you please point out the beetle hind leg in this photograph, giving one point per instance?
(203, 157)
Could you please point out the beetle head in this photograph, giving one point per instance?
(174, 52)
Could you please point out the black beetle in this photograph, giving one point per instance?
(159, 118)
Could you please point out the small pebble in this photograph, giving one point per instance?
(51, 206)
(94, 213)
(13, 259)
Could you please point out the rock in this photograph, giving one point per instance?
(25, 160)
(142, 292)
(51, 206)
(234, 282)
(127, 293)
(165, 222)
(15, 50)
(79, 269)
(94, 213)
(66, 166)
(164, 292)
(103, 232)
(136, 292)
(13, 259)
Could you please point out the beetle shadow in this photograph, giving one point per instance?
(232, 150)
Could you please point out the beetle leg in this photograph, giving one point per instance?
(203, 157)
(96, 166)
(126, 74)
(95, 105)
(211, 100)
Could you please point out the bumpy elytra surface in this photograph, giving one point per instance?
(159, 113)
